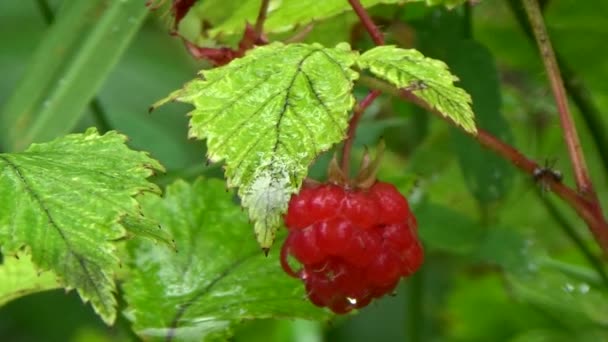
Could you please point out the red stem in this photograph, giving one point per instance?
(583, 181)
(352, 128)
(367, 22)
(587, 207)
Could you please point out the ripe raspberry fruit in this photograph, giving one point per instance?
(354, 244)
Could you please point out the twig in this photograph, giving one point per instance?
(577, 91)
(367, 21)
(95, 105)
(585, 203)
(581, 174)
(352, 128)
(585, 208)
(259, 23)
(376, 35)
(300, 35)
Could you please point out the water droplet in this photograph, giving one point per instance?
(352, 301)
(568, 287)
(583, 288)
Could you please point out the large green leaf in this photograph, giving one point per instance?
(64, 199)
(217, 278)
(20, 277)
(426, 78)
(268, 115)
(67, 69)
(572, 302)
(488, 177)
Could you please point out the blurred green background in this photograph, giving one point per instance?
(506, 261)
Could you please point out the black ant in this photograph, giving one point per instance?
(547, 173)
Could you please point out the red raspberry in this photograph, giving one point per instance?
(353, 244)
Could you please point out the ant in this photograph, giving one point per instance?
(547, 173)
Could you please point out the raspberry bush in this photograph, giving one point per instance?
(241, 234)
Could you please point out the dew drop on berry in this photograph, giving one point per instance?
(341, 305)
(363, 302)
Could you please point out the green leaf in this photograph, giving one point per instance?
(64, 199)
(228, 19)
(574, 303)
(67, 69)
(268, 115)
(426, 78)
(217, 278)
(20, 277)
(444, 229)
(488, 176)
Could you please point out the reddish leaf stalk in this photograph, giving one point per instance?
(367, 22)
(352, 128)
(587, 207)
(583, 181)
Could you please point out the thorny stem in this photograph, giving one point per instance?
(259, 23)
(584, 207)
(574, 87)
(583, 181)
(587, 207)
(352, 128)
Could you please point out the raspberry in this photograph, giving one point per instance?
(353, 244)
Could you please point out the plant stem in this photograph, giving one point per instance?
(583, 181)
(367, 22)
(577, 91)
(99, 113)
(352, 128)
(585, 208)
(259, 23)
(584, 202)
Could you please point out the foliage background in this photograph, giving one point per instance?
(501, 264)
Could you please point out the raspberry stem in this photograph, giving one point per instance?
(586, 203)
(352, 128)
